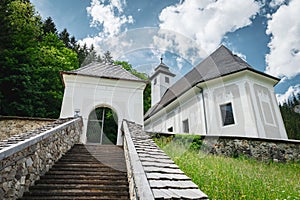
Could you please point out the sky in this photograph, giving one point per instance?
(265, 33)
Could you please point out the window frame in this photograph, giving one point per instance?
(185, 126)
(224, 119)
(167, 79)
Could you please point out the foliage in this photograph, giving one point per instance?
(191, 142)
(110, 128)
(143, 76)
(49, 26)
(229, 178)
(30, 62)
(107, 57)
(291, 119)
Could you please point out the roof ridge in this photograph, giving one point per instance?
(105, 70)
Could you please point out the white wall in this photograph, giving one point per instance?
(256, 112)
(158, 89)
(87, 93)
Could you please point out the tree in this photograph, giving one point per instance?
(52, 58)
(143, 76)
(65, 37)
(49, 26)
(30, 62)
(19, 38)
(20, 26)
(291, 119)
(107, 57)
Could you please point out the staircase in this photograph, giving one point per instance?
(84, 172)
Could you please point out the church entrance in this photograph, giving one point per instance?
(102, 126)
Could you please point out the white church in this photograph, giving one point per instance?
(221, 96)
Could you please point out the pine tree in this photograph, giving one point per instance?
(65, 37)
(49, 26)
(107, 57)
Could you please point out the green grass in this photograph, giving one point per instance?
(234, 178)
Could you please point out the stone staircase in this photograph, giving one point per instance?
(84, 172)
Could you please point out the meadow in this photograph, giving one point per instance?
(232, 178)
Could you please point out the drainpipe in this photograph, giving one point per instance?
(204, 110)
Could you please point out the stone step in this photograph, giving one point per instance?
(108, 180)
(84, 172)
(86, 169)
(88, 173)
(55, 197)
(68, 186)
(85, 165)
(75, 193)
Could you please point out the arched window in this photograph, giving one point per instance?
(102, 126)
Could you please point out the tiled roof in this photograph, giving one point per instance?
(105, 70)
(165, 178)
(220, 63)
(162, 68)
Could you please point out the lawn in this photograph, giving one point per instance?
(233, 178)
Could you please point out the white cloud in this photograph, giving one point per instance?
(108, 16)
(207, 21)
(284, 28)
(179, 61)
(275, 3)
(281, 98)
(242, 56)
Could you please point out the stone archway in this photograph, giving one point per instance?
(102, 127)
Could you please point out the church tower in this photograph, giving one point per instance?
(161, 80)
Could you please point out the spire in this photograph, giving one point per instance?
(161, 60)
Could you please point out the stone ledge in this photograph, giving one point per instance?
(261, 149)
(24, 162)
(15, 144)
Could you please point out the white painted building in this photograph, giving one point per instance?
(221, 96)
(102, 85)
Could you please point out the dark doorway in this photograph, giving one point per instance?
(102, 126)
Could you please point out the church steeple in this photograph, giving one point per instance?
(161, 80)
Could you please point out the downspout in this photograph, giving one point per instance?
(204, 108)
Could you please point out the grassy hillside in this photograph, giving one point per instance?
(230, 178)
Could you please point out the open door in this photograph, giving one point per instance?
(102, 126)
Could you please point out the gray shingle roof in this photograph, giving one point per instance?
(220, 63)
(105, 70)
(165, 178)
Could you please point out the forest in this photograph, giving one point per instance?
(33, 52)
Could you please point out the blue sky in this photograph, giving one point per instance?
(266, 33)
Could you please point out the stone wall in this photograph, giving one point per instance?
(22, 163)
(260, 149)
(10, 126)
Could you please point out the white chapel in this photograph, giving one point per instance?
(221, 96)
(102, 85)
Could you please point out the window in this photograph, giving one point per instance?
(170, 129)
(167, 80)
(185, 125)
(155, 81)
(227, 114)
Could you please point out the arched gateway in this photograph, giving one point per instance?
(102, 85)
